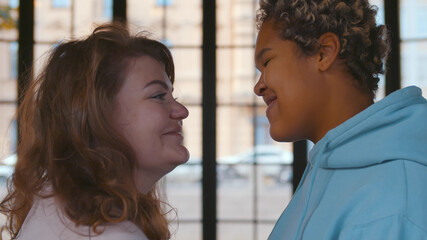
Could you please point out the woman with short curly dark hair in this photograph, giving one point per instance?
(320, 62)
(363, 44)
(99, 127)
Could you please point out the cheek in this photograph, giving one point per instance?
(139, 125)
(146, 124)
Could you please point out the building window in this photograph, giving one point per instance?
(107, 10)
(413, 35)
(164, 2)
(166, 42)
(13, 60)
(13, 3)
(262, 133)
(61, 3)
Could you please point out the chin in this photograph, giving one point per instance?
(281, 135)
(182, 155)
(276, 134)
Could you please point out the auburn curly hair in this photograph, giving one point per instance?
(68, 143)
(364, 45)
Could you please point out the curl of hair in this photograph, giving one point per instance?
(67, 141)
(364, 45)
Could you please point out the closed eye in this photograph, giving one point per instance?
(160, 96)
(266, 63)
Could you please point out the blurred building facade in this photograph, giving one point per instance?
(241, 121)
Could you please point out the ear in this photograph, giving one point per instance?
(328, 51)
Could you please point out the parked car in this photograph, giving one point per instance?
(270, 160)
(189, 172)
(7, 166)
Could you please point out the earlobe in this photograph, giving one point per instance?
(328, 51)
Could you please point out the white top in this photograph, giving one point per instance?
(46, 221)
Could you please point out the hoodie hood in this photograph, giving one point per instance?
(330, 203)
(388, 130)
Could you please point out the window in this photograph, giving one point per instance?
(413, 43)
(108, 9)
(8, 78)
(13, 60)
(253, 171)
(166, 42)
(13, 3)
(262, 134)
(61, 3)
(163, 2)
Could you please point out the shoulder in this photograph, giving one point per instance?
(124, 230)
(46, 221)
(392, 227)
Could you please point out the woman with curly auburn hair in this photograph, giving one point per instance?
(99, 127)
(319, 62)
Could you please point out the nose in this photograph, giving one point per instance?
(260, 86)
(179, 111)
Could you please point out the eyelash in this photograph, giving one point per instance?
(265, 64)
(160, 96)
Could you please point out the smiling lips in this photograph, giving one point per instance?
(270, 100)
(175, 131)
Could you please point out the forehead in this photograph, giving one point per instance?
(266, 35)
(146, 68)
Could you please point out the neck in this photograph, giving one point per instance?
(144, 182)
(345, 99)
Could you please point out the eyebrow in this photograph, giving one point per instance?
(158, 82)
(261, 53)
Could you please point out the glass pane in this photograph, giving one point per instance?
(236, 75)
(9, 20)
(8, 93)
(380, 94)
(235, 192)
(61, 3)
(68, 19)
(183, 184)
(186, 231)
(414, 60)
(264, 230)
(184, 191)
(380, 13)
(41, 53)
(259, 100)
(235, 176)
(184, 23)
(413, 18)
(235, 231)
(192, 128)
(380, 20)
(235, 131)
(274, 190)
(51, 24)
(8, 132)
(87, 14)
(147, 15)
(8, 71)
(262, 126)
(235, 22)
(188, 75)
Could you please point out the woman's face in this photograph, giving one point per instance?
(150, 119)
(290, 86)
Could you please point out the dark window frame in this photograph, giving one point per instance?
(209, 47)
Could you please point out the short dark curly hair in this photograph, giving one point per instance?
(364, 45)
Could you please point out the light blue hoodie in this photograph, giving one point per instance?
(367, 178)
